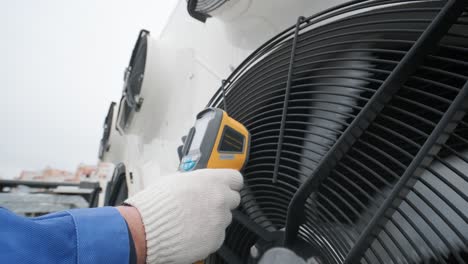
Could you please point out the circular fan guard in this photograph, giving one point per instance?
(359, 148)
(201, 9)
(117, 189)
(104, 144)
(134, 73)
(133, 81)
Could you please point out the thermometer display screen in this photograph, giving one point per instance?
(200, 129)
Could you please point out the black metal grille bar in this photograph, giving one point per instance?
(227, 255)
(207, 6)
(36, 184)
(431, 147)
(252, 226)
(286, 99)
(425, 43)
(223, 87)
(239, 239)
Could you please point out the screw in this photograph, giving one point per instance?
(254, 252)
(313, 260)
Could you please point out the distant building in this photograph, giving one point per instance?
(47, 174)
(83, 172)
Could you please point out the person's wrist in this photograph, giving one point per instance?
(137, 230)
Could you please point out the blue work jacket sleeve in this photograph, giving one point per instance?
(84, 236)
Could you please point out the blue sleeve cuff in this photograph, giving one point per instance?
(102, 236)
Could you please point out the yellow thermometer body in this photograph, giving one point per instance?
(215, 141)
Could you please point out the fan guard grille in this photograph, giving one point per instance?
(107, 128)
(131, 100)
(201, 9)
(208, 6)
(367, 112)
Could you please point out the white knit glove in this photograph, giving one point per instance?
(185, 214)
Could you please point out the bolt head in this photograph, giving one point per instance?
(254, 252)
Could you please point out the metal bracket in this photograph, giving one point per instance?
(424, 157)
(300, 20)
(223, 89)
(408, 64)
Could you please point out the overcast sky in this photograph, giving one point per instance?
(61, 64)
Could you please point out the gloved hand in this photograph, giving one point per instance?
(185, 214)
